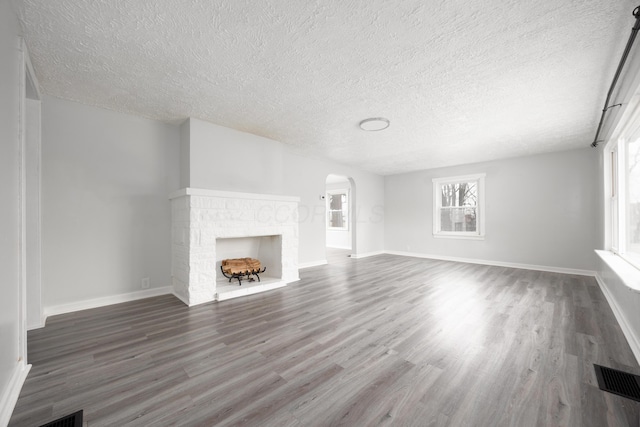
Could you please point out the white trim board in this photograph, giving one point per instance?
(627, 273)
(303, 265)
(498, 263)
(231, 195)
(367, 254)
(632, 339)
(12, 392)
(312, 264)
(22, 203)
(40, 324)
(180, 298)
(101, 302)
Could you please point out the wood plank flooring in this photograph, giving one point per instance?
(385, 340)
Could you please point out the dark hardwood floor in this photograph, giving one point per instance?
(383, 340)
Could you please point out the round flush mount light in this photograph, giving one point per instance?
(374, 124)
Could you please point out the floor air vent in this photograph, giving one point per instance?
(73, 420)
(618, 382)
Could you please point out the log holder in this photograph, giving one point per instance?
(247, 274)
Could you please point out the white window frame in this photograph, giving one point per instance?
(348, 205)
(480, 207)
(613, 171)
(616, 187)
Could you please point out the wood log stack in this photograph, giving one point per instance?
(241, 266)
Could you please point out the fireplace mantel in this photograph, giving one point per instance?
(199, 217)
(231, 195)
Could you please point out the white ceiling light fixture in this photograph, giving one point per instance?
(374, 124)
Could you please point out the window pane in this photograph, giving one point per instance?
(458, 219)
(337, 219)
(633, 196)
(335, 201)
(460, 194)
(338, 212)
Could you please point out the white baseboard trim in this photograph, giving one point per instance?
(632, 339)
(36, 325)
(101, 302)
(312, 264)
(11, 393)
(339, 247)
(367, 254)
(179, 297)
(498, 263)
(39, 324)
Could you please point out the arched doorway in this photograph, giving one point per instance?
(340, 214)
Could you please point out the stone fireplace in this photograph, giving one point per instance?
(208, 226)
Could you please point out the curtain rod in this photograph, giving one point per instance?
(632, 38)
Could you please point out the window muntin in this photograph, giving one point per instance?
(459, 206)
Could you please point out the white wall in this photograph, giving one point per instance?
(305, 177)
(106, 216)
(185, 158)
(11, 360)
(272, 168)
(106, 181)
(619, 283)
(541, 210)
(230, 160)
(33, 231)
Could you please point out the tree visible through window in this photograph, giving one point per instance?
(338, 210)
(458, 206)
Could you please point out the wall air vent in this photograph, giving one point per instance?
(73, 420)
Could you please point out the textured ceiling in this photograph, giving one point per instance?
(461, 81)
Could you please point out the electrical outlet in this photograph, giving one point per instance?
(145, 283)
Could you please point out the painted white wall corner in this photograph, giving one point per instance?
(12, 392)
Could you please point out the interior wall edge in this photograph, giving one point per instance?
(367, 254)
(12, 392)
(312, 264)
(627, 330)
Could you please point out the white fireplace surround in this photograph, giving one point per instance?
(199, 217)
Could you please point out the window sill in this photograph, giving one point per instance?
(458, 236)
(627, 272)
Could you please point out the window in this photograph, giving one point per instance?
(613, 202)
(623, 191)
(338, 209)
(622, 187)
(458, 207)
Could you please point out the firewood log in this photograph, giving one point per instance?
(241, 265)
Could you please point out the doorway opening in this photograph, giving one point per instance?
(340, 218)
